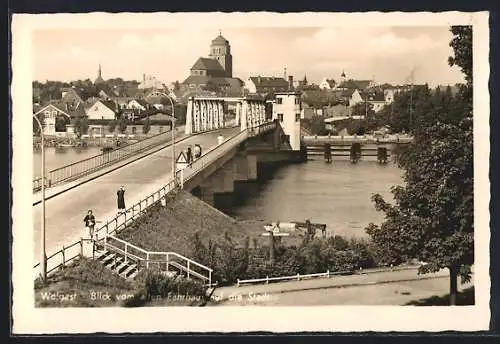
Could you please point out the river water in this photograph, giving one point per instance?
(58, 157)
(336, 194)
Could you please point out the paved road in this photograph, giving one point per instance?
(65, 212)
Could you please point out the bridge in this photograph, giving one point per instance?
(249, 139)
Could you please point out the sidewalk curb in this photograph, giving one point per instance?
(114, 168)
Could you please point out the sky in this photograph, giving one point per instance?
(383, 54)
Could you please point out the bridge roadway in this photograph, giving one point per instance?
(65, 212)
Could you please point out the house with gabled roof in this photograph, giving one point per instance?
(139, 104)
(376, 98)
(327, 84)
(265, 84)
(102, 109)
(57, 116)
(355, 84)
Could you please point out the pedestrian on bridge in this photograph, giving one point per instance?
(189, 155)
(120, 195)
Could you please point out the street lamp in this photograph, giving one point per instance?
(173, 136)
(43, 257)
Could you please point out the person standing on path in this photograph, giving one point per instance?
(120, 195)
(90, 223)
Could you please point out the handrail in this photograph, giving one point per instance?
(127, 243)
(190, 260)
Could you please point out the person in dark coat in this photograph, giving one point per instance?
(189, 155)
(90, 223)
(120, 195)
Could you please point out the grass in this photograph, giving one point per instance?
(172, 228)
(464, 298)
(87, 283)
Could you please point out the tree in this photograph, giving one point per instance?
(61, 122)
(112, 126)
(432, 215)
(177, 85)
(81, 125)
(147, 126)
(122, 124)
(318, 126)
(364, 110)
(462, 47)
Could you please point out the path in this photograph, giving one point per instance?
(388, 287)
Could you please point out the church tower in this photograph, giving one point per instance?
(99, 79)
(220, 50)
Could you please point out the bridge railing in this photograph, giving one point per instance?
(89, 165)
(263, 128)
(316, 139)
(212, 155)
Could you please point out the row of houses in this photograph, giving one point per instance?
(72, 106)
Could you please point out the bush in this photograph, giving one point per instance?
(335, 254)
(112, 126)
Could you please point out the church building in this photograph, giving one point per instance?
(215, 72)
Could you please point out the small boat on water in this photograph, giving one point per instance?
(65, 145)
(295, 225)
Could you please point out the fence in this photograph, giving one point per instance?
(64, 256)
(320, 140)
(120, 221)
(89, 165)
(326, 274)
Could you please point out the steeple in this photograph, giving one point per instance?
(304, 82)
(99, 79)
(220, 50)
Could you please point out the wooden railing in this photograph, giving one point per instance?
(326, 274)
(320, 140)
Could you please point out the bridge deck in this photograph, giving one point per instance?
(65, 212)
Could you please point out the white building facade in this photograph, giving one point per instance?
(287, 109)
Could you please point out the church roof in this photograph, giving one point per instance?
(355, 84)
(220, 40)
(265, 81)
(196, 79)
(207, 64)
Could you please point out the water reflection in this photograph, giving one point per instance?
(56, 157)
(337, 194)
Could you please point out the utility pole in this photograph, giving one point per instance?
(411, 80)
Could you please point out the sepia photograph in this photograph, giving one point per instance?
(233, 167)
